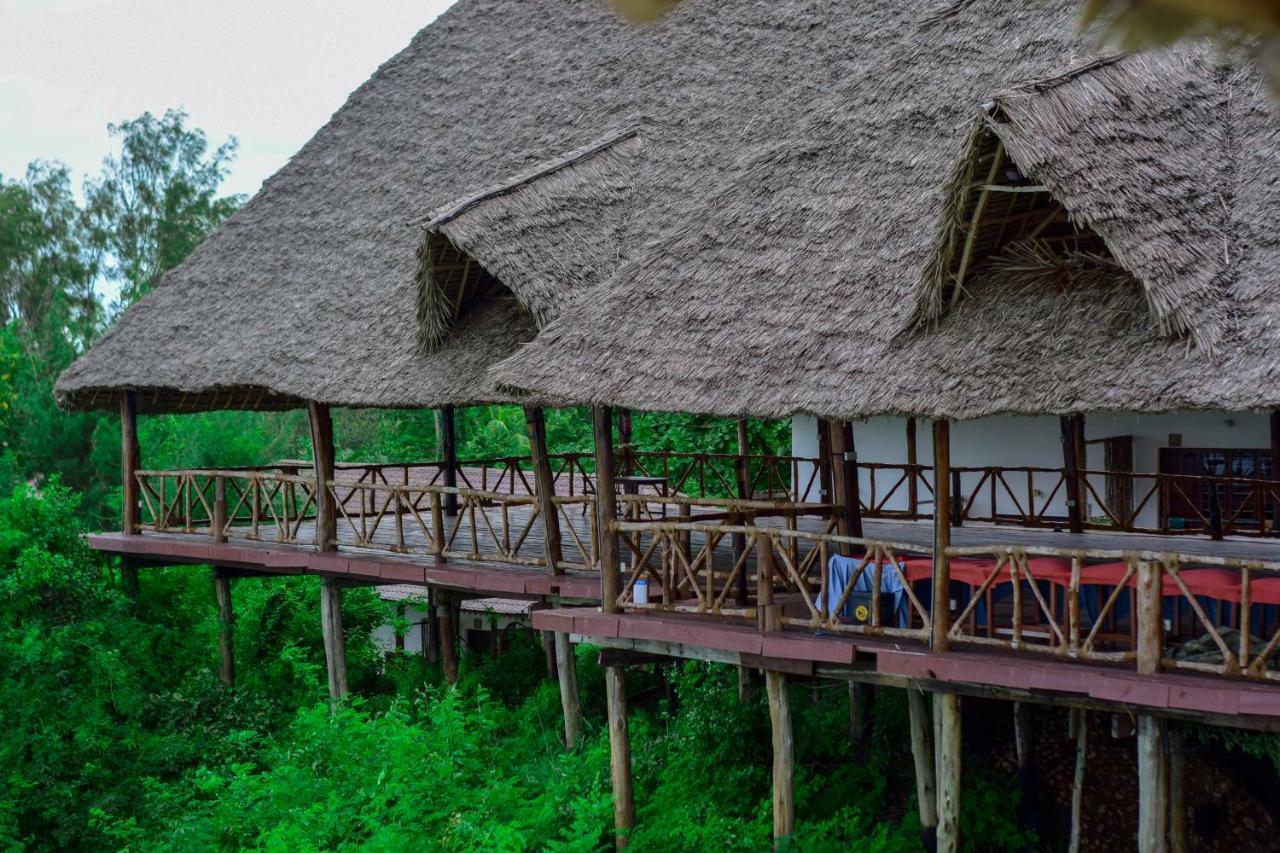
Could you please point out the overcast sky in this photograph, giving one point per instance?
(269, 72)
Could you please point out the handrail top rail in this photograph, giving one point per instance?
(1112, 554)
(729, 503)
(751, 529)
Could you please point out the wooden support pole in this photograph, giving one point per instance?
(922, 753)
(448, 638)
(226, 621)
(1024, 738)
(940, 617)
(850, 487)
(567, 670)
(322, 461)
(335, 652)
(1275, 471)
(626, 454)
(1150, 618)
(946, 707)
(449, 444)
(784, 805)
(431, 642)
(131, 510)
(1071, 466)
(549, 653)
(1080, 718)
(606, 510)
(1179, 841)
(739, 540)
(913, 481)
(861, 697)
(826, 478)
(1153, 785)
(536, 422)
(218, 524)
(624, 809)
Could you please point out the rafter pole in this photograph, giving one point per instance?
(971, 239)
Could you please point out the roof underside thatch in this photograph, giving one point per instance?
(805, 275)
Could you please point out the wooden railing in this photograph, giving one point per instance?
(247, 503)
(1176, 612)
(488, 526)
(783, 478)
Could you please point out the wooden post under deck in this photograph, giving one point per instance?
(335, 653)
(1153, 785)
(1178, 839)
(448, 637)
(567, 673)
(1024, 737)
(226, 621)
(940, 616)
(624, 810)
(449, 443)
(946, 707)
(536, 422)
(784, 805)
(322, 461)
(922, 754)
(1080, 722)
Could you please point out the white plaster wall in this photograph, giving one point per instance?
(1035, 442)
(385, 635)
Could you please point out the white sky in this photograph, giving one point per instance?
(269, 72)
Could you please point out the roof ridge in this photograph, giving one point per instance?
(452, 210)
(1039, 85)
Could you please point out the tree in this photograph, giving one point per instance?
(157, 199)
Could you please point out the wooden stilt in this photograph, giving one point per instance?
(1179, 842)
(431, 625)
(449, 444)
(1024, 736)
(448, 638)
(1153, 785)
(549, 653)
(335, 653)
(322, 461)
(624, 810)
(860, 698)
(536, 423)
(940, 617)
(922, 753)
(784, 808)
(226, 621)
(747, 683)
(567, 669)
(1081, 725)
(946, 707)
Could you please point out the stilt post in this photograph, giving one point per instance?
(448, 637)
(1080, 719)
(322, 461)
(567, 672)
(131, 510)
(913, 477)
(1024, 738)
(335, 653)
(1179, 842)
(449, 444)
(922, 754)
(624, 810)
(1153, 785)
(536, 422)
(226, 622)
(947, 708)
(784, 806)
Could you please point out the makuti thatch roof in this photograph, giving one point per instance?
(548, 235)
(309, 292)
(1127, 262)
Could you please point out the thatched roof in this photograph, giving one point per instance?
(547, 235)
(802, 280)
(309, 291)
